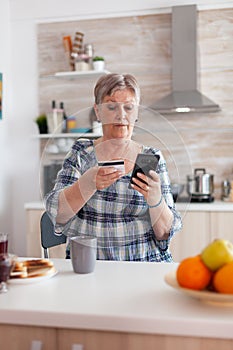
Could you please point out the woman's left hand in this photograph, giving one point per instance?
(151, 190)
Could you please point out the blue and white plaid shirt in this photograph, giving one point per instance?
(117, 215)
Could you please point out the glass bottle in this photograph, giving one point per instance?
(62, 108)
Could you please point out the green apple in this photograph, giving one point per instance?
(217, 254)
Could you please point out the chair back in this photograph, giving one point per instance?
(48, 237)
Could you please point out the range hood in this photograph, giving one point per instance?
(185, 96)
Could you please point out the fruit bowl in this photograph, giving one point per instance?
(204, 295)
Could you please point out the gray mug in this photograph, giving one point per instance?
(83, 249)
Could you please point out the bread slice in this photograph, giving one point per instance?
(41, 271)
(19, 270)
(32, 268)
(34, 263)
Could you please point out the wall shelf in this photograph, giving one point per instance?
(68, 135)
(75, 74)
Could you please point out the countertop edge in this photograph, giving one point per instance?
(217, 206)
(140, 326)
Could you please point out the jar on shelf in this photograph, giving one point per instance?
(71, 123)
(77, 48)
(89, 50)
(82, 63)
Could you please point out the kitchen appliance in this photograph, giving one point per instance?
(50, 175)
(185, 96)
(200, 186)
(176, 190)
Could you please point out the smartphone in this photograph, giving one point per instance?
(119, 164)
(144, 163)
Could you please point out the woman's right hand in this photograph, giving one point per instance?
(106, 176)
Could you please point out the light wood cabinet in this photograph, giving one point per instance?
(194, 235)
(27, 337)
(34, 248)
(48, 338)
(222, 225)
(33, 232)
(199, 229)
(103, 340)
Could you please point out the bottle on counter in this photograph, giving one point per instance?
(89, 52)
(67, 43)
(226, 189)
(55, 119)
(62, 108)
(71, 124)
(77, 49)
(231, 191)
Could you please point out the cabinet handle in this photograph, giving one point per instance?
(36, 345)
(77, 347)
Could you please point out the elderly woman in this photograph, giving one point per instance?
(134, 223)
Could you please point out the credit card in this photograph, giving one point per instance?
(118, 164)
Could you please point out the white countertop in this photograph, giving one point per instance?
(118, 296)
(214, 206)
(217, 205)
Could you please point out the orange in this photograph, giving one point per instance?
(223, 279)
(192, 273)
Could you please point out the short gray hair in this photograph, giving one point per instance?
(108, 84)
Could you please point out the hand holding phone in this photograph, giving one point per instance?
(143, 164)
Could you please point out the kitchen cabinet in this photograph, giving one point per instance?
(194, 235)
(221, 225)
(48, 338)
(100, 340)
(33, 233)
(199, 229)
(27, 337)
(34, 248)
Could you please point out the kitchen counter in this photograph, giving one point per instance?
(117, 296)
(214, 206)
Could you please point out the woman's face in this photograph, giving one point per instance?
(118, 114)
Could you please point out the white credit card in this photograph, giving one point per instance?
(119, 164)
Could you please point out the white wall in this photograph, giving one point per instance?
(19, 153)
(5, 188)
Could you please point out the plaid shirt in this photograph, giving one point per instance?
(119, 216)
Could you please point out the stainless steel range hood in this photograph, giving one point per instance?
(185, 96)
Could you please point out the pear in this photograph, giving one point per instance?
(217, 254)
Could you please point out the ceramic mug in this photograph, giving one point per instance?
(83, 250)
